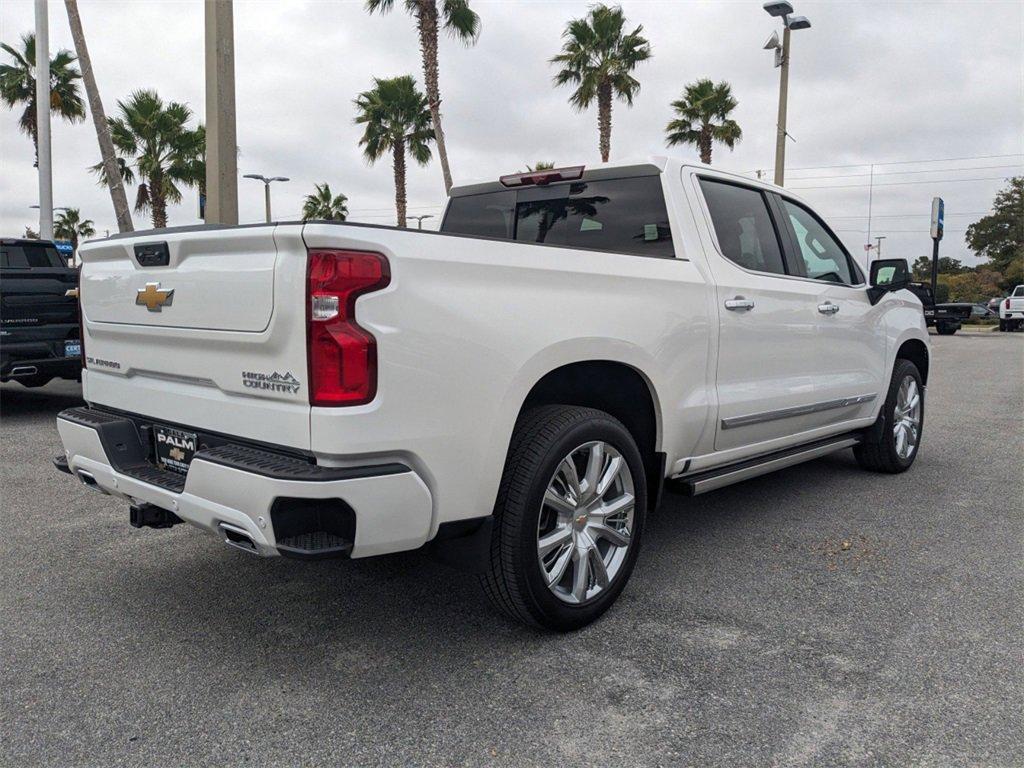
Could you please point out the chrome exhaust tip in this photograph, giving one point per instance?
(237, 537)
(23, 370)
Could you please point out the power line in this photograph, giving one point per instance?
(898, 183)
(907, 173)
(899, 162)
(909, 215)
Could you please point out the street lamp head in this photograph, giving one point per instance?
(257, 176)
(778, 8)
(279, 178)
(798, 22)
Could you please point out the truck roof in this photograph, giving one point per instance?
(634, 166)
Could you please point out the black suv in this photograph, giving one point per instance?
(39, 338)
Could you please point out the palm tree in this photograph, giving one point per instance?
(540, 165)
(704, 118)
(462, 23)
(69, 225)
(397, 119)
(324, 205)
(598, 57)
(154, 140)
(99, 119)
(18, 86)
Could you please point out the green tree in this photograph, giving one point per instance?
(461, 23)
(999, 236)
(703, 118)
(922, 267)
(154, 140)
(324, 205)
(398, 121)
(598, 57)
(540, 165)
(18, 86)
(69, 225)
(973, 286)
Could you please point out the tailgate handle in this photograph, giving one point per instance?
(152, 254)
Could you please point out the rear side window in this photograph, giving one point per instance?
(744, 228)
(615, 215)
(27, 256)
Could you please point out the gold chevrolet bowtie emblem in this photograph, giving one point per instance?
(153, 298)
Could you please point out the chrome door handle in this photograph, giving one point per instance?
(739, 303)
(828, 308)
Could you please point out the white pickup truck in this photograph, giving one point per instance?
(511, 392)
(1011, 310)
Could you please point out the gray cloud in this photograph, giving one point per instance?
(871, 83)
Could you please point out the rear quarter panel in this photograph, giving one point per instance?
(467, 327)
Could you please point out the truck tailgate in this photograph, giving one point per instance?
(201, 341)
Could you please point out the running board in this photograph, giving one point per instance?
(719, 477)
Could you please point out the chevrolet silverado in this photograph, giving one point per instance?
(511, 392)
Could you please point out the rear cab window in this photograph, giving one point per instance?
(30, 256)
(625, 215)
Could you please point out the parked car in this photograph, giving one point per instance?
(38, 314)
(1011, 311)
(993, 304)
(511, 391)
(982, 312)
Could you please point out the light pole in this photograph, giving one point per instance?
(419, 219)
(42, 63)
(789, 22)
(266, 187)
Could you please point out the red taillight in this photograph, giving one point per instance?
(1007, 304)
(342, 356)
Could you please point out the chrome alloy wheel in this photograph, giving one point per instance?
(586, 522)
(907, 418)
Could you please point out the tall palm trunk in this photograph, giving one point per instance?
(427, 23)
(399, 163)
(157, 200)
(604, 118)
(704, 145)
(99, 119)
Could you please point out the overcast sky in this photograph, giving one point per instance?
(879, 83)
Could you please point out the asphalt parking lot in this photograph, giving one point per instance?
(819, 616)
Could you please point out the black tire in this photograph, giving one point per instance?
(878, 452)
(946, 330)
(1002, 325)
(514, 581)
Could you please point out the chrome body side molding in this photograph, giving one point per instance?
(798, 410)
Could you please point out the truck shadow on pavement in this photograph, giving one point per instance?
(401, 609)
(18, 403)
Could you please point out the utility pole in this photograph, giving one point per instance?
(43, 121)
(780, 138)
(221, 137)
(878, 248)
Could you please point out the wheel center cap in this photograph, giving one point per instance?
(580, 520)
